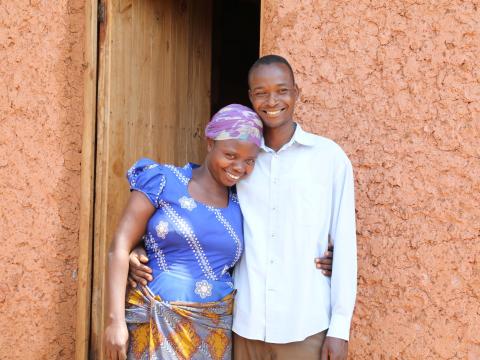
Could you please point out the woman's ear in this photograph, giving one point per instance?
(210, 144)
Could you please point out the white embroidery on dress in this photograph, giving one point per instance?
(179, 175)
(231, 231)
(133, 172)
(225, 269)
(130, 175)
(187, 232)
(234, 197)
(187, 203)
(162, 229)
(151, 166)
(203, 289)
(152, 245)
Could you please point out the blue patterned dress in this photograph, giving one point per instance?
(191, 247)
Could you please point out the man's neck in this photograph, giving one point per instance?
(275, 138)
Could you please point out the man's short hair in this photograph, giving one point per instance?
(268, 60)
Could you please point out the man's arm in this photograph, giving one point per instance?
(140, 273)
(344, 267)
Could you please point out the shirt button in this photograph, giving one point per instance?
(273, 235)
(271, 261)
(274, 208)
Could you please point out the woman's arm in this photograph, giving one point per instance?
(129, 232)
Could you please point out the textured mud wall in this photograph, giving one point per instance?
(397, 84)
(41, 104)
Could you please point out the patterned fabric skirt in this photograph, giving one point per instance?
(178, 330)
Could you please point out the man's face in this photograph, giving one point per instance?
(273, 94)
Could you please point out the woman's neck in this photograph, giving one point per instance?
(203, 187)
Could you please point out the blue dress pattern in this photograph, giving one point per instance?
(191, 246)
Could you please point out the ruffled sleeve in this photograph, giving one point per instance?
(147, 177)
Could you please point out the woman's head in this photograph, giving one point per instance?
(234, 136)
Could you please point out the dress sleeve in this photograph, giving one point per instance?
(148, 177)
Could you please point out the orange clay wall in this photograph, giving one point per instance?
(41, 104)
(397, 85)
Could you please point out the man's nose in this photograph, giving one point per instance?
(272, 98)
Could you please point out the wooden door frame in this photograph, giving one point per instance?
(85, 245)
(87, 188)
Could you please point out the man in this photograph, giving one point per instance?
(300, 194)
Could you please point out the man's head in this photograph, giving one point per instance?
(272, 90)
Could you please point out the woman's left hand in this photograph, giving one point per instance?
(116, 341)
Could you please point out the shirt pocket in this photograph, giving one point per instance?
(309, 202)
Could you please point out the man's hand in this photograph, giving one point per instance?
(325, 263)
(334, 349)
(137, 272)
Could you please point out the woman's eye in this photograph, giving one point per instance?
(229, 156)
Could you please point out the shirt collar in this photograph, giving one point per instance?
(300, 136)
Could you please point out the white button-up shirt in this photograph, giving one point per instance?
(292, 202)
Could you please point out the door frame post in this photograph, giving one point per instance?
(262, 26)
(85, 258)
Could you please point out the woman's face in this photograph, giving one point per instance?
(230, 160)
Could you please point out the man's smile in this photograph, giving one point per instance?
(273, 112)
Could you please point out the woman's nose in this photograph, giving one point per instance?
(239, 166)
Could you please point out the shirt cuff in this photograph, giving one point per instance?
(339, 327)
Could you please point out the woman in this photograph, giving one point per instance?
(191, 224)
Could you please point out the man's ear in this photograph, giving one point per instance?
(297, 92)
(250, 96)
(210, 144)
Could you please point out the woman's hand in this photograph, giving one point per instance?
(116, 341)
(325, 263)
(137, 272)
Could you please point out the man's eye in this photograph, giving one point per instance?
(229, 156)
(250, 162)
(260, 94)
(283, 91)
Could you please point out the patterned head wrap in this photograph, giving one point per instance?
(236, 122)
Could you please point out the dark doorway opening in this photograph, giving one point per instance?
(235, 47)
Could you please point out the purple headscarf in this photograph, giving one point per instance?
(236, 122)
